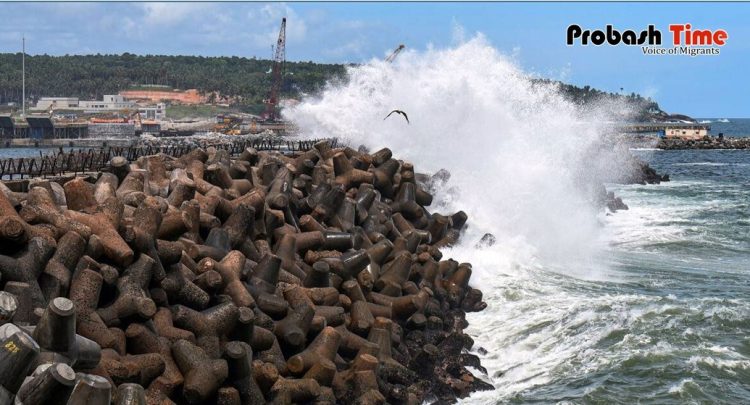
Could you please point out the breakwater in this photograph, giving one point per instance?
(708, 142)
(207, 278)
(705, 143)
(60, 162)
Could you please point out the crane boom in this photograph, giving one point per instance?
(395, 53)
(276, 73)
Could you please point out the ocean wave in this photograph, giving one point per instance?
(723, 120)
(729, 365)
(701, 164)
(680, 388)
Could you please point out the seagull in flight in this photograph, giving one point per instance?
(399, 112)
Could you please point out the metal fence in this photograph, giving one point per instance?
(92, 160)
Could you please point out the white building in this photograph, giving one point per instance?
(56, 103)
(110, 102)
(686, 131)
(153, 112)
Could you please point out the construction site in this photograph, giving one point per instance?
(124, 117)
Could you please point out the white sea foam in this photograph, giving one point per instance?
(728, 365)
(679, 388)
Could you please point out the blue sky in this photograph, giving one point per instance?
(534, 33)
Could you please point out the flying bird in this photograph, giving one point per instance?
(400, 112)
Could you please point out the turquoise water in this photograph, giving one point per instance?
(665, 319)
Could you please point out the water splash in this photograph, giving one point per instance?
(513, 146)
(515, 150)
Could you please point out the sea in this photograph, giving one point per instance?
(669, 323)
(728, 126)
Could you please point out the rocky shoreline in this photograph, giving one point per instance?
(210, 278)
(708, 142)
(705, 143)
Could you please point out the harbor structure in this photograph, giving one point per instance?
(668, 130)
(42, 127)
(686, 131)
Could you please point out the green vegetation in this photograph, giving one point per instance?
(245, 81)
(179, 112)
(645, 109)
(91, 76)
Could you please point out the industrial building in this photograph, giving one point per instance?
(56, 103)
(153, 112)
(110, 102)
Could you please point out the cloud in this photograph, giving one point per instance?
(172, 13)
(210, 29)
(354, 40)
(14, 37)
(352, 47)
(268, 18)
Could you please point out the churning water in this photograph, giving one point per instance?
(647, 305)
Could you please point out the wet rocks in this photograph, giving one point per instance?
(642, 173)
(264, 277)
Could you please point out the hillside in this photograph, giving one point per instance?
(644, 109)
(91, 76)
(245, 80)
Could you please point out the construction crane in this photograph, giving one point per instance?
(395, 53)
(277, 75)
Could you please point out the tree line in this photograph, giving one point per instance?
(91, 76)
(246, 80)
(643, 108)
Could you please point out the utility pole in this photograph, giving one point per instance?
(23, 75)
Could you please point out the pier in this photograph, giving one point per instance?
(36, 129)
(669, 130)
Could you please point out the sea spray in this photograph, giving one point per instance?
(513, 146)
(515, 150)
